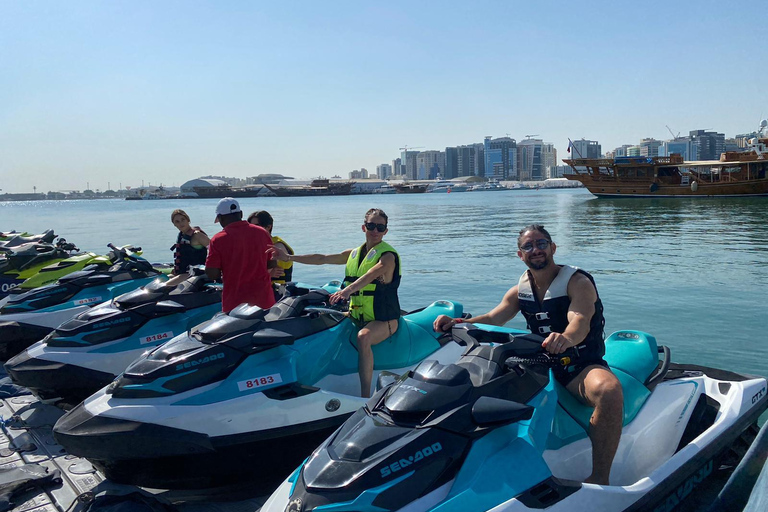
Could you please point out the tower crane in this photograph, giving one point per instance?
(672, 133)
(407, 148)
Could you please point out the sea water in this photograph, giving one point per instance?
(692, 272)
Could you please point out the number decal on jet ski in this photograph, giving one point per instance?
(258, 382)
(416, 457)
(89, 300)
(157, 337)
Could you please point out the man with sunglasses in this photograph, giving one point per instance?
(371, 282)
(561, 303)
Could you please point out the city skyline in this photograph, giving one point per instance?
(130, 91)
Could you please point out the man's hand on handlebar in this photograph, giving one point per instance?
(557, 343)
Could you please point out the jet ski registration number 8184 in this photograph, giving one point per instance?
(258, 382)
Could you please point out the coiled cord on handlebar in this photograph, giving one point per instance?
(545, 359)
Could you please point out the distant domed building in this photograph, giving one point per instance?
(188, 189)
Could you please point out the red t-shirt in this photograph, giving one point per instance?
(239, 250)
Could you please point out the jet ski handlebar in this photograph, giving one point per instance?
(321, 309)
(510, 349)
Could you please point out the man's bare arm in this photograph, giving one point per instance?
(214, 274)
(500, 315)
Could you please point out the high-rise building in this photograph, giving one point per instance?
(430, 165)
(584, 148)
(682, 146)
(408, 161)
(397, 167)
(709, 144)
(633, 151)
(384, 171)
(649, 147)
(548, 159)
(530, 160)
(471, 160)
(621, 151)
(451, 163)
(500, 158)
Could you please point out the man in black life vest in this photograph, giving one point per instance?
(372, 277)
(561, 303)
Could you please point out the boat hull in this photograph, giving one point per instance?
(614, 189)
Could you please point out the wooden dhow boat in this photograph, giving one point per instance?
(736, 174)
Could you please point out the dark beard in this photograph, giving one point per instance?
(539, 265)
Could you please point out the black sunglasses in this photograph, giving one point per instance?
(541, 244)
(370, 226)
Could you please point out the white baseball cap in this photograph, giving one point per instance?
(226, 206)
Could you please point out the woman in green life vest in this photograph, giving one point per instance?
(370, 285)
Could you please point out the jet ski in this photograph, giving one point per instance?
(243, 397)
(87, 352)
(24, 261)
(495, 431)
(9, 240)
(29, 316)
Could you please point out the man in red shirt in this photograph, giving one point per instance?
(237, 255)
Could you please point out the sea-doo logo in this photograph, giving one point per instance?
(682, 492)
(412, 459)
(198, 362)
(110, 323)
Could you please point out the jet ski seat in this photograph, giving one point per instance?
(632, 356)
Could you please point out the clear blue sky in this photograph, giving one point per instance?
(124, 91)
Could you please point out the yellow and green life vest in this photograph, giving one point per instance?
(287, 266)
(376, 301)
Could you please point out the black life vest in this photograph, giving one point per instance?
(185, 255)
(550, 314)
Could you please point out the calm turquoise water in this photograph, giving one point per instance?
(692, 272)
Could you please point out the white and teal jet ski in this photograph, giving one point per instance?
(29, 316)
(495, 432)
(87, 352)
(243, 397)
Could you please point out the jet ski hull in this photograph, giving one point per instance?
(22, 329)
(210, 445)
(162, 457)
(691, 420)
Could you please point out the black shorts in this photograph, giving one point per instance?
(564, 375)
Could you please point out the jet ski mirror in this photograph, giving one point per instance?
(386, 379)
(265, 338)
(471, 336)
(167, 307)
(488, 411)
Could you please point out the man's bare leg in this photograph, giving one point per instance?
(372, 334)
(598, 387)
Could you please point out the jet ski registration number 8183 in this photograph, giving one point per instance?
(258, 382)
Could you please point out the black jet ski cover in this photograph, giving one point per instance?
(18, 480)
(133, 502)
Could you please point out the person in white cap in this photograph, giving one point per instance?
(238, 256)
